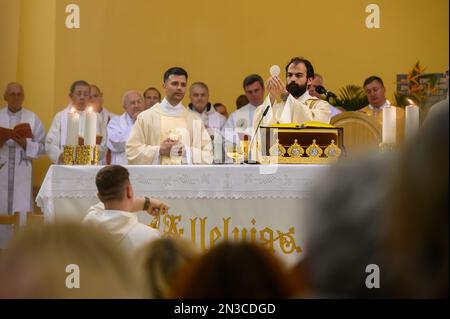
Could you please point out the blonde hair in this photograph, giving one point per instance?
(36, 264)
(161, 260)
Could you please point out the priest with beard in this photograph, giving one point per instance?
(292, 103)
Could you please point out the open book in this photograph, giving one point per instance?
(21, 129)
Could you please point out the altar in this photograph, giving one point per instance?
(208, 203)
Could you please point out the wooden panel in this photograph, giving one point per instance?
(361, 132)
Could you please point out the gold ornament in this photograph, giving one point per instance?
(295, 150)
(277, 149)
(332, 150)
(314, 150)
(84, 154)
(69, 155)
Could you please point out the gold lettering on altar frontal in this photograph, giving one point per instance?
(169, 225)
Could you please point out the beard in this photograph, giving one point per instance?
(296, 90)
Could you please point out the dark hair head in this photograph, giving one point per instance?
(76, 83)
(308, 65)
(373, 78)
(241, 101)
(235, 270)
(174, 71)
(111, 181)
(153, 89)
(252, 78)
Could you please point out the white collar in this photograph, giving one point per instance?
(386, 104)
(18, 113)
(129, 120)
(170, 109)
(72, 107)
(305, 96)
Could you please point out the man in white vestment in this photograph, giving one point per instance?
(116, 194)
(119, 127)
(22, 138)
(168, 133)
(240, 122)
(57, 134)
(291, 103)
(213, 121)
(376, 96)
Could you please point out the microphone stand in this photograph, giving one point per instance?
(249, 161)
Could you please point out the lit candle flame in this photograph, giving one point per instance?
(411, 102)
(90, 109)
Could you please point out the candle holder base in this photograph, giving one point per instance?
(68, 155)
(96, 155)
(84, 154)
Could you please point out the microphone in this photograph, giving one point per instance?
(248, 161)
(321, 90)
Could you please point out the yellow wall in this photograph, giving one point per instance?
(129, 44)
(9, 41)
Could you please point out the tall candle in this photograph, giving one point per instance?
(90, 127)
(389, 125)
(411, 121)
(197, 141)
(217, 142)
(73, 127)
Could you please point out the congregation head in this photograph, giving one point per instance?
(111, 182)
(234, 270)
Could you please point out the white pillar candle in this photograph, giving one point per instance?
(389, 125)
(218, 154)
(90, 127)
(73, 127)
(411, 121)
(197, 141)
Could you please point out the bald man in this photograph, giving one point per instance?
(119, 127)
(18, 148)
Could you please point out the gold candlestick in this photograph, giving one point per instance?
(68, 154)
(84, 154)
(96, 155)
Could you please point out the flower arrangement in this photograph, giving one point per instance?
(418, 87)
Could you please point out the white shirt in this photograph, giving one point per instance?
(118, 130)
(123, 226)
(239, 122)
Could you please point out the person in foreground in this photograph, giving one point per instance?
(118, 216)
